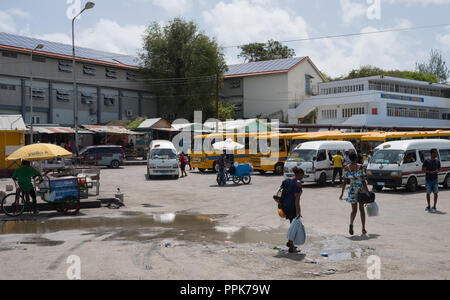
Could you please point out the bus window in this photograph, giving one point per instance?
(282, 148)
(321, 155)
(445, 155)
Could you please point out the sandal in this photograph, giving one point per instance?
(364, 232)
(351, 230)
(294, 250)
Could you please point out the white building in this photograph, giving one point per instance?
(378, 101)
(268, 89)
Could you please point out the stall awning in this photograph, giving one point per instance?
(108, 129)
(53, 130)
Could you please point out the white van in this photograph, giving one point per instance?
(399, 163)
(162, 160)
(316, 159)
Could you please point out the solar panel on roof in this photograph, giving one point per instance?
(263, 66)
(64, 49)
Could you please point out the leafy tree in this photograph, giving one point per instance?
(367, 71)
(180, 65)
(260, 52)
(435, 66)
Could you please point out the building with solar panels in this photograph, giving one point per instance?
(268, 89)
(108, 84)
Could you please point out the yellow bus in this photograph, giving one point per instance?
(377, 139)
(266, 160)
(204, 157)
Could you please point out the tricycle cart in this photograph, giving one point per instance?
(240, 173)
(64, 193)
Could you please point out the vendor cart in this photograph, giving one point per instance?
(64, 193)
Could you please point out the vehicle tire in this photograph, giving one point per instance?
(279, 168)
(378, 188)
(115, 164)
(323, 179)
(236, 179)
(70, 206)
(202, 171)
(447, 182)
(262, 172)
(246, 179)
(411, 186)
(13, 205)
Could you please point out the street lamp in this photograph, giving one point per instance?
(38, 47)
(88, 5)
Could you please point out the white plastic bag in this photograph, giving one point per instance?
(297, 232)
(372, 209)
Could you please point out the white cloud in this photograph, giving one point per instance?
(419, 2)
(352, 10)
(8, 19)
(175, 7)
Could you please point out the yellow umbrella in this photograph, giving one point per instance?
(38, 152)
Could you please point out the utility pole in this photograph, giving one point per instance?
(217, 102)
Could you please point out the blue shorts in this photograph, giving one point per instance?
(432, 187)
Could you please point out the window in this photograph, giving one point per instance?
(321, 155)
(110, 73)
(424, 155)
(62, 95)
(8, 87)
(89, 70)
(9, 54)
(282, 145)
(410, 157)
(108, 100)
(235, 84)
(131, 76)
(308, 80)
(36, 120)
(444, 155)
(39, 59)
(65, 66)
(38, 93)
(87, 98)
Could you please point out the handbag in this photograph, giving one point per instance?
(366, 197)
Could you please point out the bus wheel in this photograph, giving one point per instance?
(378, 188)
(323, 179)
(447, 181)
(411, 186)
(278, 169)
(202, 170)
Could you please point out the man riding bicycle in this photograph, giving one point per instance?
(23, 176)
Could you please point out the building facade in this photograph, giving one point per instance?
(269, 89)
(108, 85)
(378, 101)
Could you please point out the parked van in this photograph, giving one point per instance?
(316, 159)
(162, 160)
(399, 163)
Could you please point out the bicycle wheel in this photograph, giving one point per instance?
(70, 206)
(13, 205)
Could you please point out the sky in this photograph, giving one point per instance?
(118, 26)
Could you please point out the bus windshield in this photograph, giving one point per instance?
(302, 156)
(163, 154)
(387, 157)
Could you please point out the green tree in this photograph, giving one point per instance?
(435, 66)
(180, 65)
(260, 52)
(367, 71)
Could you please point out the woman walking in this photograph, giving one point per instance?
(354, 176)
(183, 163)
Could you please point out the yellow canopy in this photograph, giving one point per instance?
(38, 152)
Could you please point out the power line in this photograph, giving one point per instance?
(356, 34)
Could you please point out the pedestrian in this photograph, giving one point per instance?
(291, 204)
(368, 159)
(222, 163)
(23, 176)
(183, 163)
(431, 167)
(338, 161)
(354, 175)
(347, 158)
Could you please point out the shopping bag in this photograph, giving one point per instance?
(297, 232)
(372, 209)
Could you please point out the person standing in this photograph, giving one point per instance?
(431, 167)
(183, 163)
(354, 174)
(338, 166)
(291, 203)
(347, 158)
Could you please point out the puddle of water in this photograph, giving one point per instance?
(144, 228)
(41, 242)
(344, 256)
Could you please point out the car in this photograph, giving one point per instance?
(109, 156)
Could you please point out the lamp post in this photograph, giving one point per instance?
(38, 47)
(88, 5)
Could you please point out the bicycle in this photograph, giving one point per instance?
(13, 205)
